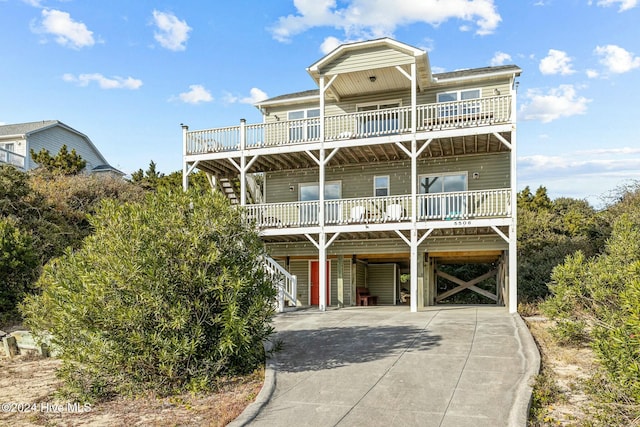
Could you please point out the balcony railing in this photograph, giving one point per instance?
(391, 121)
(11, 158)
(430, 207)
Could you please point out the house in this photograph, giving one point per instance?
(17, 141)
(385, 172)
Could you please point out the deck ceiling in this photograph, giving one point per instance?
(375, 235)
(349, 155)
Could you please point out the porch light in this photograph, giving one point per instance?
(372, 79)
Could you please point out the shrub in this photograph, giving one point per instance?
(166, 295)
(18, 266)
(602, 293)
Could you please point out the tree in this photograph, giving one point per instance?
(549, 231)
(65, 162)
(18, 267)
(166, 295)
(147, 179)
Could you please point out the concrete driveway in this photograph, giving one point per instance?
(383, 366)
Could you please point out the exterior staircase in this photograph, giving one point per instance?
(286, 283)
(230, 187)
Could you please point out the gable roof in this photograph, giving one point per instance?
(24, 130)
(450, 76)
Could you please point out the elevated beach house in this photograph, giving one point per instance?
(372, 182)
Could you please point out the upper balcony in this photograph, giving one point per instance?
(11, 158)
(432, 120)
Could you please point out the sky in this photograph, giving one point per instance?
(128, 73)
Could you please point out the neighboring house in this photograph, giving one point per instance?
(385, 170)
(17, 141)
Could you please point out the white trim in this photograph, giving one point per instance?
(378, 103)
(388, 187)
(328, 302)
(442, 175)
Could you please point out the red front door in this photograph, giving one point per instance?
(315, 282)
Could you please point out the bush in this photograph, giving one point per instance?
(602, 293)
(166, 295)
(18, 266)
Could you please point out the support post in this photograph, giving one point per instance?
(322, 270)
(340, 281)
(513, 228)
(414, 270)
(243, 162)
(185, 167)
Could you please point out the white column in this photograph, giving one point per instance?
(185, 167)
(243, 162)
(414, 95)
(414, 270)
(322, 270)
(513, 228)
(322, 238)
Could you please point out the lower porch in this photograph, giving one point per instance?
(450, 269)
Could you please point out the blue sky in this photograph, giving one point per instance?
(127, 73)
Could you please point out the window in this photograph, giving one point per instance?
(4, 156)
(453, 108)
(450, 202)
(309, 192)
(301, 129)
(382, 120)
(381, 186)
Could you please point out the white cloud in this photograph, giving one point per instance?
(624, 4)
(364, 19)
(172, 33)
(196, 95)
(255, 95)
(500, 58)
(34, 3)
(592, 74)
(582, 175)
(115, 82)
(329, 44)
(66, 31)
(616, 59)
(556, 62)
(556, 103)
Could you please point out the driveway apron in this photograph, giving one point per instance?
(384, 366)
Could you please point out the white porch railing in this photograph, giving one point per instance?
(365, 124)
(11, 158)
(287, 283)
(464, 204)
(430, 207)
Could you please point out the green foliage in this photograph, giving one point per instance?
(51, 210)
(598, 297)
(549, 231)
(18, 266)
(65, 162)
(151, 179)
(165, 295)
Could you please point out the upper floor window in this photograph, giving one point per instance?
(301, 129)
(380, 118)
(381, 186)
(469, 104)
(4, 156)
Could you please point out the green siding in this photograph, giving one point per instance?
(367, 59)
(357, 180)
(301, 269)
(381, 281)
